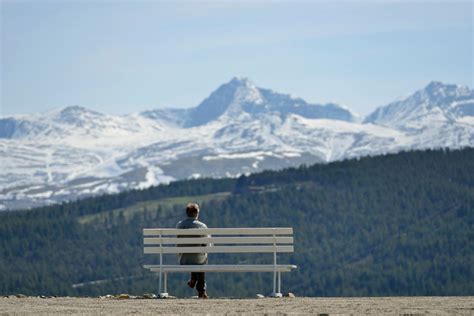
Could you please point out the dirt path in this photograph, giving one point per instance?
(268, 306)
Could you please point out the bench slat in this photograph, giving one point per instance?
(221, 268)
(218, 249)
(218, 240)
(218, 231)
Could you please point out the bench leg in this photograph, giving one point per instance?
(275, 293)
(159, 282)
(279, 282)
(166, 283)
(164, 294)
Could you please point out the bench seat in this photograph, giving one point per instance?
(221, 268)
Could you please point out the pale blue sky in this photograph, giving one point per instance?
(119, 57)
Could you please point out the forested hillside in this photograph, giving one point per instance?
(399, 224)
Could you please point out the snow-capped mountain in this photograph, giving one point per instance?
(439, 115)
(240, 128)
(436, 103)
(72, 121)
(239, 96)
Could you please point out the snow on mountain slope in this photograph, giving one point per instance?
(437, 104)
(241, 95)
(76, 123)
(440, 115)
(75, 152)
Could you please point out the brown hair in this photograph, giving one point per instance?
(192, 209)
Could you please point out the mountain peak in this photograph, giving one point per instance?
(438, 89)
(437, 101)
(75, 115)
(69, 110)
(236, 91)
(75, 109)
(237, 83)
(240, 80)
(434, 85)
(241, 96)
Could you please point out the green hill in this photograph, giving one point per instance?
(399, 224)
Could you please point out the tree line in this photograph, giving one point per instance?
(397, 224)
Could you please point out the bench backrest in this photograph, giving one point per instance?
(222, 240)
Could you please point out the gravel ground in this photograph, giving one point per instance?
(264, 306)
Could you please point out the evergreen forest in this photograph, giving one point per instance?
(397, 224)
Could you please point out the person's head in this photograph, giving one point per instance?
(192, 210)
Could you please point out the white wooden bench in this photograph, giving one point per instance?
(222, 240)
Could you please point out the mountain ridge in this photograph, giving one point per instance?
(447, 101)
(435, 91)
(238, 129)
(242, 95)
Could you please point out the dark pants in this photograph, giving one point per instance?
(200, 279)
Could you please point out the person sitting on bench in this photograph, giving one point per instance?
(197, 278)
